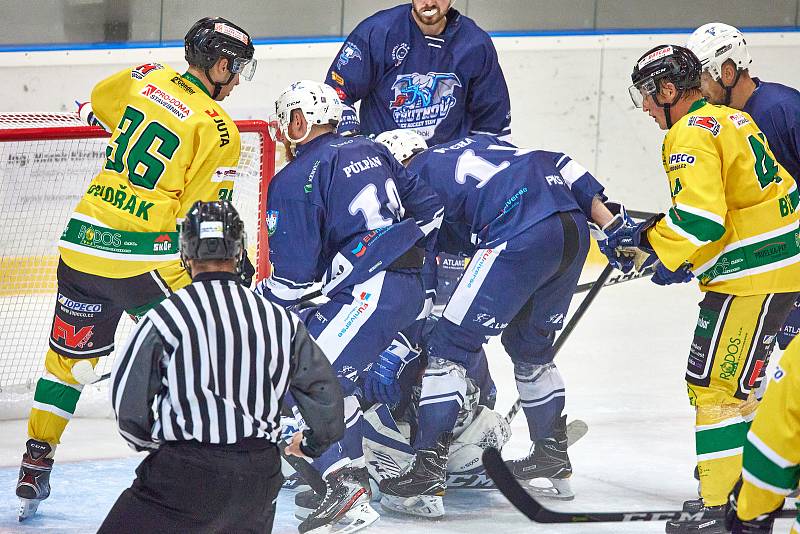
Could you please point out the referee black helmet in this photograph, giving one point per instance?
(212, 231)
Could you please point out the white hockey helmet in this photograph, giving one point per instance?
(318, 102)
(715, 43)
(402, 143)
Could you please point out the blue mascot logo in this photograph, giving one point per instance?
(422, 101)
(349, 51)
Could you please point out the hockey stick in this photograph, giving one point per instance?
(535, 511)
(305, 469)
(595, 288)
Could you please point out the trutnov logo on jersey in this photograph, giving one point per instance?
(167, 101)
(422, 101)
(72, 337)
(349, 51)
(272, 221)
(143, 70)
(707, 123)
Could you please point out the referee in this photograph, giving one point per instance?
(200, 383)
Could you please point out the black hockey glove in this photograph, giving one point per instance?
(761, 524)
(246, 271)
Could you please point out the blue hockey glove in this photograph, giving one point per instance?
(620, 222)
(665, 277)
(381, 383)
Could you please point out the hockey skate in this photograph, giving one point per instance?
(307, 501)
(33, 485)
(345, 507)
(419, 489)
(547, 459)
(699, 519)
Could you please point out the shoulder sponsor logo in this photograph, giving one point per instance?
(680, 161)
(738, 120)
(649, 58)
(143, 70)
(167, 101)
(337, 78)
(78, 306)
(222, 128)
(180, 82)
(340, 93)
(707, 123)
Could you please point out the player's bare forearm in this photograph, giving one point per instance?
(600, 213)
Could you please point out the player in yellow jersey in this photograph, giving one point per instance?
(171, 145)
(771, 469)
(733, 224)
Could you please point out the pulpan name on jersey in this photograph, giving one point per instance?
(707, 123)
(356, 167)
(167, 101)
(739, 120)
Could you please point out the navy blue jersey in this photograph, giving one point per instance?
(340, 213)
(444, 87)
(776, 110)
(493, 191)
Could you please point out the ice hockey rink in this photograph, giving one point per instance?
(624, 371)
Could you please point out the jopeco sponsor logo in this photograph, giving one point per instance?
(85, 309)
(167, 101)
(122, 199)
(680, 161)
(72, 337)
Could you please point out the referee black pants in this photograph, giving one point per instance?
(188, 487)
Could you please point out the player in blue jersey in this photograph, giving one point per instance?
(522, 215)
(344, 213)
(726, 80)
(425, 67)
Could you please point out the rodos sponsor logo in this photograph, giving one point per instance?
(167, 101)
(72, 337)
(730, 362)
(74, 305)
(92, 236)
(143, 70)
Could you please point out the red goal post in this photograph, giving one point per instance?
(46, 163)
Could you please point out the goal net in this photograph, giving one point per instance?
(46, 163)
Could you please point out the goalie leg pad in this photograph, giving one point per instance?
(444, 387)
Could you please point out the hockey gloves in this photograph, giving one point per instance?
(625, 242)
(620, 222)
(665, 277)
(381, 383)
(246, 271)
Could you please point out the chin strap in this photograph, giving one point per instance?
(668, 108)
(729, 88)
(218, 86)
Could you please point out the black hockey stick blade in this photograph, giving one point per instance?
(535, 511)
(304, 469)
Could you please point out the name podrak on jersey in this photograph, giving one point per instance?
(167, 101)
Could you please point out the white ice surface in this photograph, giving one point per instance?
(623, 367)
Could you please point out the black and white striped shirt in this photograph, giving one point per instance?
(212, 364)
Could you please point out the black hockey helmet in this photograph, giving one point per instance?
(212, 38)
(212, 231)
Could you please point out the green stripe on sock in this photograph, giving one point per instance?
(768, 471)
(58, 395)
(721, 439)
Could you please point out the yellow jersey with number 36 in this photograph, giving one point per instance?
(171, 145)
(734, 214)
